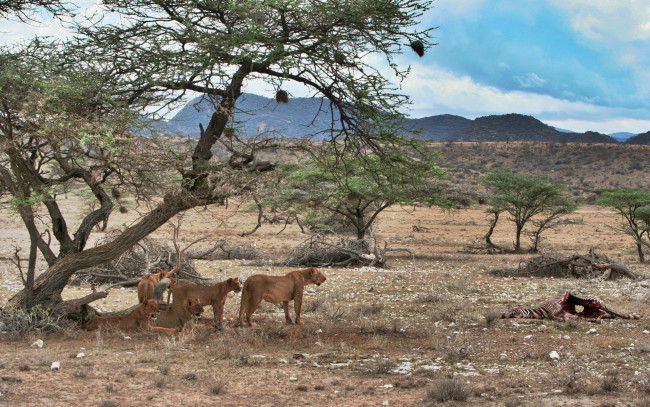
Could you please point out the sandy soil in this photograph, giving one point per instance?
(371, 336)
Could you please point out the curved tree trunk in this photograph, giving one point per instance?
(49, 285)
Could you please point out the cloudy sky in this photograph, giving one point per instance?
(574, 64)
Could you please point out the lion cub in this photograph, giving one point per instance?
(276, 289)
(214, 295)
(148, 284)
(139, 318)
(176, 317)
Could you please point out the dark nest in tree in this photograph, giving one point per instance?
(592, 265)
(282, 96)
(418, 47)
(146, 256)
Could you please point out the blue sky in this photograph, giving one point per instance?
(575, 64)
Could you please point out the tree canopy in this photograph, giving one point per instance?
(351, 190)
(143, 55)
(524, 197)
(634, 207)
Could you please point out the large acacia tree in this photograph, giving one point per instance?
(162, 49)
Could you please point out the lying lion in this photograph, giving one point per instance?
(139, 318)
(276, 289)
(176, 317)
(148, 284)
(214, 295)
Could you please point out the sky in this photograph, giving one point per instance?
(575, 64)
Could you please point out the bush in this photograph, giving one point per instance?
(18, 322)
(447, 390)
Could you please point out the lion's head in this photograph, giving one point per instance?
(233, 284)
(315, 276)
(194, 306)
(150, 307)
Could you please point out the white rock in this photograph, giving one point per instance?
(38, 344)
(554, 355)
(503, 356)
(80, 355)
(320, 331)
(646, 332)
(127, 338)
(591, 331)
(528, 337)
(567, 337)
(56, 366)
(388, 386)
(293, 379)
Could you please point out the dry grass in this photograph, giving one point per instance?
(431, 326)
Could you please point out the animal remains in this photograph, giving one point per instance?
(565, 306)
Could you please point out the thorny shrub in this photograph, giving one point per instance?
(447, 390)
(18, 322)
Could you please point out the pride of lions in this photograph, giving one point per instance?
(189, 299)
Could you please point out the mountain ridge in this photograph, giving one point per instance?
(312, 117)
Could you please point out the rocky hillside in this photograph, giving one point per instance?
(305, 117)
(517, 127)
(643, 139)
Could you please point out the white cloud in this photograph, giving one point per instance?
(437, 91)
(608, 20)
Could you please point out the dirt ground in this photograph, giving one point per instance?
(403, 336)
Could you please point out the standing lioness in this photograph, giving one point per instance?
(276, 289)
(214, 295)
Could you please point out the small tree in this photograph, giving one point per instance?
(524, 197)
(634, 207)
(352, 189)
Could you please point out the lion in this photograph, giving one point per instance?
(276, 289)
(148, 284)
(214, 295)
(139, 318)
(176, 317)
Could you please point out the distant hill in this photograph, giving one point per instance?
(438, 127)
(517, 127)
(622, 136)
(643, 138)
(257, 114)
(303, 117)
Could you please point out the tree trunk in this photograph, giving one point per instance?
(49, 285)
(488, 235)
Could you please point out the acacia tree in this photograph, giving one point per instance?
(524, 197)
(353, 189)
(161, 49)
(25, 9)
(634, 207)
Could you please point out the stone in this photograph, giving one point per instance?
(37, 344)
(56, 366)
(554, 355)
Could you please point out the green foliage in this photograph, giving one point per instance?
(634, 207)
(524, 197)
(350, 190)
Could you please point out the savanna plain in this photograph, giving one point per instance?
(423, 331)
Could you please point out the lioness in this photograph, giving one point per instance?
(176, 317)
(147, 285)
(139, 318)
(276, 289)
(214, 295)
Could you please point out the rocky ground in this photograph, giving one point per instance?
(421, 331)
